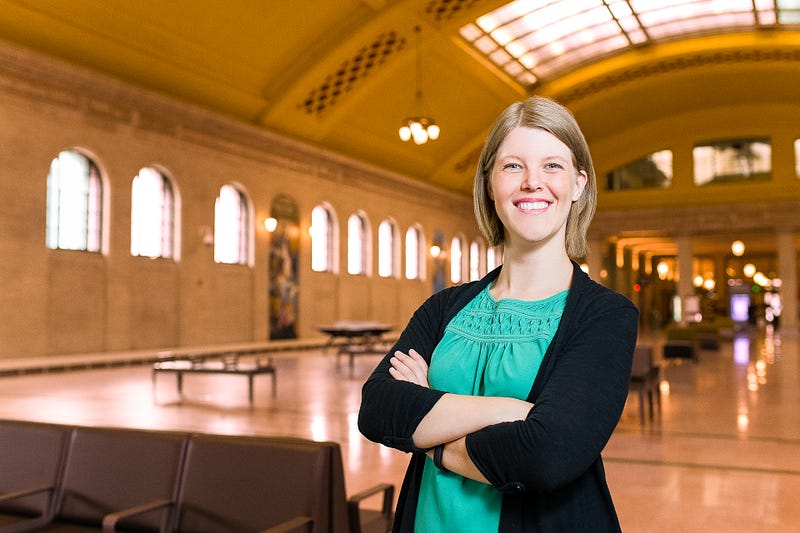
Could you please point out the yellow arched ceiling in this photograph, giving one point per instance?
(341, 74)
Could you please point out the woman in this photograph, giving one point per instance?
(507, 389)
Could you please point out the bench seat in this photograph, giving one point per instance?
(230, 366)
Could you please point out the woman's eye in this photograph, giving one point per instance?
(553, 166)
(512, 166)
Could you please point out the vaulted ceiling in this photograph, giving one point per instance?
(342, 74)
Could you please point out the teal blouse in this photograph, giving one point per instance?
(490, 348)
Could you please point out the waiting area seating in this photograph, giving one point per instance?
(645, 377)
(72, 478)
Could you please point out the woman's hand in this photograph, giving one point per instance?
(409, 367)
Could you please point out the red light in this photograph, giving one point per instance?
(637, 287)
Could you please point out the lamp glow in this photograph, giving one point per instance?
(663, 269)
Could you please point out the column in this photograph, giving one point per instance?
(685, 267)
(620, 269)
(595, 259)
(787, 270)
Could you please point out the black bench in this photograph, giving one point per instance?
(73, 478)
(228, 364)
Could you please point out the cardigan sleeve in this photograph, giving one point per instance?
(585, 388)
(391, 409)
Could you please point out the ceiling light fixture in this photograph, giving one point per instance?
(420, 128)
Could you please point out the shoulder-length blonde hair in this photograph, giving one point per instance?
(543, 113)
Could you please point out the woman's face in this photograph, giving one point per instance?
(533, 185)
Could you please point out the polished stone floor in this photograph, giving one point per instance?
(722, 456)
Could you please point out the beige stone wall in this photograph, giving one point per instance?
(58, 301)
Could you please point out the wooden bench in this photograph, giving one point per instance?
(229, 364)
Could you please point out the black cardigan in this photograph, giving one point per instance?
(548, 466)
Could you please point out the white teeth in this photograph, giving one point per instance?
(532, 205)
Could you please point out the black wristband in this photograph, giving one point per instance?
(437, 457)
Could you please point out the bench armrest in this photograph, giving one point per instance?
(29, 523)
(110, 520)
(8, 496)
(292, 525)
(354, 502)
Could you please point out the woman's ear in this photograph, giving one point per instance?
(580, 183)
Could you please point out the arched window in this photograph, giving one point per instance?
(456, 257)
(358, 250)
(231, 227)
(415, 257)
(388, 250)
(491, 258)
(323, 239)
(476, 264)
(152, 215)
(74, 203)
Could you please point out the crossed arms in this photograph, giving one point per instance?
(454, 416)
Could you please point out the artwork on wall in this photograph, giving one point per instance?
(283, 263)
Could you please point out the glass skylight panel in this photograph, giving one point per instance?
(486, 45)
(789, 17)
(637, 37)
(699, 24)
(767, 17)
(561, 63)
(620, 8)
(500, 56)
(526, 78)
(502, 15)
(513, 68)
(551, 37)
(470, 32)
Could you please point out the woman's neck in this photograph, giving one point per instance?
(532, 275)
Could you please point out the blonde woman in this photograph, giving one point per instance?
(507, 389)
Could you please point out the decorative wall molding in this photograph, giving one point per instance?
(698, 220)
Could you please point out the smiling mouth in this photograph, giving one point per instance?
(530, 206)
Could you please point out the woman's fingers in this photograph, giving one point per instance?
(409, 367)
(419, 367)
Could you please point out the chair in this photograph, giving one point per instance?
(645, 379)
(31, 460)
(113, 469)
(678, 350)
(268, 484)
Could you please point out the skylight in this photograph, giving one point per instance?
(536, 40)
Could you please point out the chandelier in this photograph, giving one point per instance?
(420, 128)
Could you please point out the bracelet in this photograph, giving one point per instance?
(437, 457)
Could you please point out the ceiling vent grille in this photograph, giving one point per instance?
(351, 72)
(442, 10)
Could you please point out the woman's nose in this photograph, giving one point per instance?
(531, 181)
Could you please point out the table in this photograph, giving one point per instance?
(360, 337)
